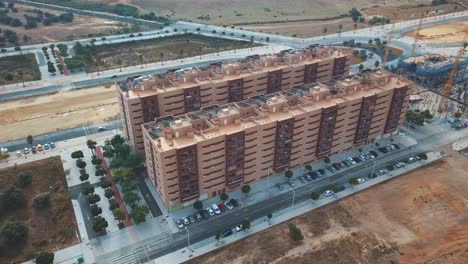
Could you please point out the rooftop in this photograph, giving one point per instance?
(172, 132)
(181, 78)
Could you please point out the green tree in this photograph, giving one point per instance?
(42, 200)
(457, 115)
(100, 172)
(87, 190)
(30, 140)
(119, 62)
(12, 199)
(334, 188)
(131, 198)
(93, 198)
(81, 164)
(119, 215)
(198, 205)
(246, 224)
(51, 67)
(21, 75)
(224, 197)
(376, 64)
(314, 196)
(246, 189)
(99, 224)
(295, 232)
(24, 178)
(218, 236)
(45, 257)
(84, 177)
(308, 167)
(355, 27)
(327, 160)
(422, 156)
(324, 31)
(92, 146)
(269, 216)
(108, 193)
(138, 213)
(361, 67)
(106, 184)
(353, 181)
(161, 57)
(14, 232)
(96, 210)
(77, 154)
(181, 53)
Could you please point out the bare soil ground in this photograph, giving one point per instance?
(81, 27)
(421, 217)
(50, 229)
(11, 66)
(409, 11)
(48, 113)
(448, 33)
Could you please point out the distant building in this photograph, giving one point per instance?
(184, 90)
(221, 148)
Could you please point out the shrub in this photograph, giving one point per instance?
(113, 206)
(308, 167)
(96, 161)
(246, 189)
(390, 167)
(24, 178)
(93, 198)
(80, 164)
(422, 156)
(334, 188)
(106, 184)
(84, 177)
(289, 174)
(314, 196)
(42, 200)
(77, 154)
(326, 160)
(295, 232)
(96, 210)
(12, 199)
(45, 258)
(109, 193)
(14, 232)
(224, 197)
(353, 181)
(88, 190)
(198, 205)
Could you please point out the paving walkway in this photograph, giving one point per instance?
(259, 225)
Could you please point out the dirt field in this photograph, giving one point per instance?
(421, 217)
(81, 27)
(150, 50)
(49, 113)
(448, 33)
(11, 66)
(52, 228)
(409, 11)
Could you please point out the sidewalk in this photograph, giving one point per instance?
(259, 225)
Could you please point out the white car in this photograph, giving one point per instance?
(328, 193)
(5, 150)
(360, 180)
(400, 165)
(186, 221)
(26, 150)
(350, 160)
(228, 205)
(215, 209)
(382, 172)
(412, 159)
(239, 228)
(18, 153)
(210, 211)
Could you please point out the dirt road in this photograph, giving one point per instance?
(421, 217)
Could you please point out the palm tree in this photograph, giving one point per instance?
(97, 64)
(119, 62)
(161, 55)
(340, 27)
(21, 75)
(251, 42)
(181, 52)
(324, 32)
(201, 50)
(140, 56)
(355, 26)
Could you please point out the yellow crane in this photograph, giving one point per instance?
(448, 86)
(389, 40)
(418, 29)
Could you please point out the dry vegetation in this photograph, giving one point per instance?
(49, 113)
(418, 218)
(12, 66)
(448, 33)
(52, 228)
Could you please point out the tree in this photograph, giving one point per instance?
(161, 56)
(45, 257)
(324, 31)
(355, 27)
(361, 67)
(138, 213)
(267, 39)
(96, 210)
(457, 115)
(51, 67)
(353, 181)
(87, 190)
(198, 205)
(308, 167)
(334, 188)
(376, 64)
(119, 215)
(314, 196)
(370, 41)
(181, 53)
(24, 178)
(84, 177)
(119, 62)
(81, 164)
(93, 198)
(42, 200)
(269, 216)
(245, 224)
(422, 156)
(295, 232)
(131, 198)
(77, 154)
(326, 160)
(108, 193)
(96, 161)
(14, 232)
(100, 224)
(340, 27)
(106, 184)
(289, 174)
(92, 146)
(390, 167)
(224, 197)
(218, 236)
(100, 172)
(246, 189)
(21, 76)
(29, 139)
(12, 199)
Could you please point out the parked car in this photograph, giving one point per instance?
(370, 155)
(302, 179)
(198, 217)
(280, 186)
(179, 223)
(3, 150)
(228, 205)
(215, 209)
(418, 158)
(373, 152)
(18, 153)
(343, 164)
(234, 202)
(360, 180)
(192, 219)
(362, 158)
(396, 146)
(291, 182)
(210, 211)
(391, 147)
(330, 169)
(412, 159)
(39, 147)
(321, 172)
(308, 177)
(26, 151)
(221, 207)
(226, 233)
(186, 221)
(357, 160)
(102, 128)
(336, 166)
(328, 193)
(52, 145)
(381, 172)
(350, 160)
(33, 150)
(239, 228)
(205, 214)
(383, 150)
(400, 165)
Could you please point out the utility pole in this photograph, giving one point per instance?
(373, 168)
(294, 196)
(188, 239)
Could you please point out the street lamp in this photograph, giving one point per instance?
(294, 196)
(188, 239)
(373, 168)
(268, 176)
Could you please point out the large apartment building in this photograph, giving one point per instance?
(179, 91)
(218, 149)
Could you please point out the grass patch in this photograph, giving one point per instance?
(51, 228)
(112, 56)
(11, 66)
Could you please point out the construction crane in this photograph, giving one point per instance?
(448, 86)
(418, 29)
(389, 40)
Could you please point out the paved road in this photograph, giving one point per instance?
(61, 135)
(149, 199)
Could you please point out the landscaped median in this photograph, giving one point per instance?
(278, 217)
